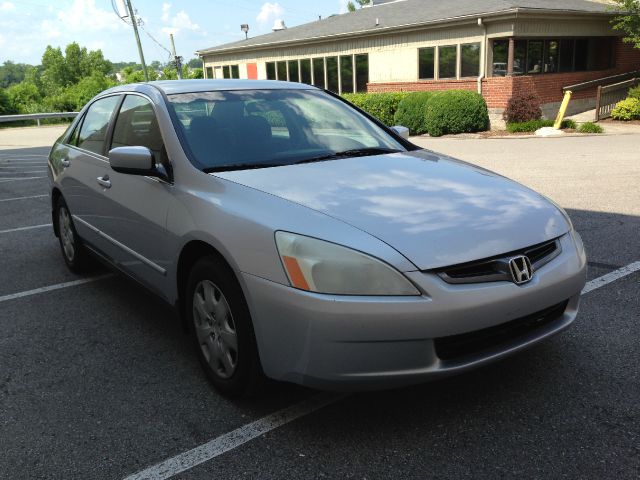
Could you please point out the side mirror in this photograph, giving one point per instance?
(133, 160)
(402, 131)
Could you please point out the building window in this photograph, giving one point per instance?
(281, 71)
(567, 51)
(500, 57)
(231, 71)
(362, 72)
(447, 62)
(552, 56)
(470, 60)
(305, 71)
(551, 48)
(520, 57)
(294, 75)
(332, 74)
(209, 72)
(426, 63)
(346, 74)
(534, 56)
(271, 71)
(318, 72)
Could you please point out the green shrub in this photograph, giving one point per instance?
(628, 109)
(634, 93)
(412, 112)
(383, 106)
(6, 105)
(533, 125)
(590, 127)
(456, 111)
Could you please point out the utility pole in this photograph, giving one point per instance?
(176, 58)
(134, 22)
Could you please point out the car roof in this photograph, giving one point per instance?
(170, 87)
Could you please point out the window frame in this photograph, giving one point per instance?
(108, 133)
(112, 126)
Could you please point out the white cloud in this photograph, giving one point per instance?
(49, 29)
(166, 8)
(180, 21)
(84, 16)
(270, 12)
(6, 6)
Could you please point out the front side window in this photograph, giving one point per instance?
(285, 127)
(318, 72)
(500, 57)
(271, 71)
(447, 61)
(294, 75)
(534, 56)
(95, 124)
(362, 72)
(137, 126)
(346, 74)
(305, 71)
(281, 68)
(332, 74)
(426, 63)
(470, 60)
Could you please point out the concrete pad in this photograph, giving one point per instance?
(23, 137)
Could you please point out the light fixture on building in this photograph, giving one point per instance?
(245, 28)
(279, 25)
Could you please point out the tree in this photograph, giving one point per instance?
(22, 95)
(351, 7)
(195, 63)
(75, 60)
(54, 75)
(12, 73)
(6, 107)
(196, 73)
(628, 21)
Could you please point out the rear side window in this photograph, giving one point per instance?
(137, 126)
(95, 124)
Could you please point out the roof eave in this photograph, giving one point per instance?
(508, 13)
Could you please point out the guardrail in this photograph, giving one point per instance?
(36, 116)
(608, 97)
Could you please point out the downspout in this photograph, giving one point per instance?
(483, 60)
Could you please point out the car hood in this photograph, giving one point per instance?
(434, 210)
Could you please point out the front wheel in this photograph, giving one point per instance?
(222, 328)
(75, 255)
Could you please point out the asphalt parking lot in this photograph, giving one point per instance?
(97, 379)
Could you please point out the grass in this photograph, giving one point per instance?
(590, 127)
(533, 125)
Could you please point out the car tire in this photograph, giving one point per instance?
(222, 329)
(74, 253)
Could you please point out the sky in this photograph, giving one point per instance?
(27, 27)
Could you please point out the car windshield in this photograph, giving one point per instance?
(234, 130)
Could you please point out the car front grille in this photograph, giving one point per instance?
(496, 269)
(456, 347)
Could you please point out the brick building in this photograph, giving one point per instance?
(497, 47)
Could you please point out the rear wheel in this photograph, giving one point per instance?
(222, 328)
(75, 255)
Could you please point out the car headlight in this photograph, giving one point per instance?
(324, 267)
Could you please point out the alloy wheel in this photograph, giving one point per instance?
(215, 329)
(66, 233)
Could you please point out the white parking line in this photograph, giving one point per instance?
(224, 443)
(235, 438)
(21, 173)
(10, 155)
(20, 229)
(50, 288)
(611, 277)
(5, 180)
(21, 198)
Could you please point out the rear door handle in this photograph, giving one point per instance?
(65, 163)
(104, 181)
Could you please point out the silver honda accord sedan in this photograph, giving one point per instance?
(300, 239)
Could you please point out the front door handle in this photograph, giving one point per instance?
(65, 163)
(104, 181)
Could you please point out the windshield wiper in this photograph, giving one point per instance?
(356, 152)
(241, 166)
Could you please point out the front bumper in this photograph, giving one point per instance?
(359, 343)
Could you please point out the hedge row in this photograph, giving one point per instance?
(435, 113)
(628, 109)
(383, 106)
